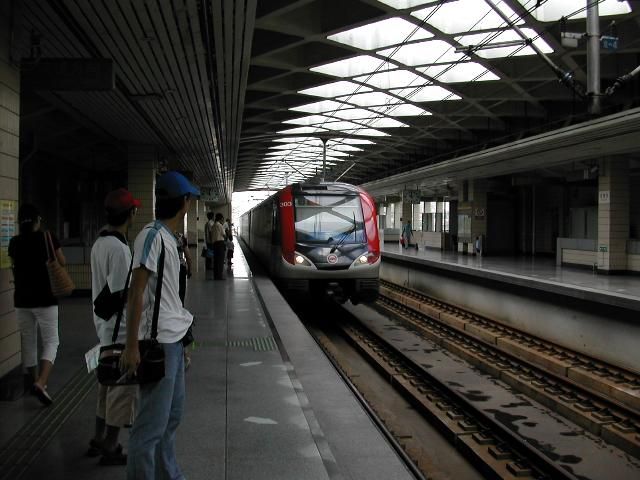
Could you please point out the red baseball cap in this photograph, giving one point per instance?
(120, 200)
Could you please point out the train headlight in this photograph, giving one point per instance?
(301, 261)
(363, 259)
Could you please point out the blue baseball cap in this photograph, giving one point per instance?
(174, 185)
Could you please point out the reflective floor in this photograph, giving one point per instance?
(540, 268)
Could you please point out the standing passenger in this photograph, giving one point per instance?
(152, 440)
(407, 234)
(110, 262)
(208, 240)
(36, 307)
(218, 247)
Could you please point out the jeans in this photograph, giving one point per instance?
(153, 435)
(29, 319)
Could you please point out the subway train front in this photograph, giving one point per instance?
(318, 238)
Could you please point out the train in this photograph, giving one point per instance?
(318, 238)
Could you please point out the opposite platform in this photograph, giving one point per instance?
(535, 273)
(261, 404)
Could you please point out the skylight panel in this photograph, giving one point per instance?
(301, 130)
(554, 10)
(350, 67)
(367, 132)
(309, 120)
(344, 125)
(424, 53)
(354, 141)
(371, 99)
(386, 122)
(506, 36)
(353, 114)
(294, 139)
(391, 31)
(466, 15)
(402, 110)
(344, 148)
(402, 4)
(334, 89)
(319, 107)
(459, 72)
(430, 93)
(393, 79)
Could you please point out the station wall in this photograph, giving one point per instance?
(10, 357)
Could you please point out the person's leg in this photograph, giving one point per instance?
(29, 340)
(149, 426)
(167, 464)
(48, 322)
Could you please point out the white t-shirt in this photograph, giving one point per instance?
(173, 319)
(110, 260)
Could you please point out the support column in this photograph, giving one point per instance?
(11, 382)
(192, 222)
(613, 215)
(142, 167)
(478, 196)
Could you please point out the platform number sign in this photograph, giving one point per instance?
(604, 196)
(411, 196)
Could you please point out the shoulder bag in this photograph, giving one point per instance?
(151, 368)
(61, 283)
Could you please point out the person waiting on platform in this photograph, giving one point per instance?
(218, 247)
(36, 307)
(110, 262)
(407, 234)
(208, 240)
(152, 440)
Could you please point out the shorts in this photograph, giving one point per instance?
(117, 405)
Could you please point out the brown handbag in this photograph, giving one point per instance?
(59, 278)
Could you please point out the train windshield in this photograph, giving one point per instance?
(330, 219)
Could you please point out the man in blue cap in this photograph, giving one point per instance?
(152, 440)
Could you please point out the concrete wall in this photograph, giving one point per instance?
(567, 322)
(10, 357)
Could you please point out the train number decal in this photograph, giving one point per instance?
(286, 204)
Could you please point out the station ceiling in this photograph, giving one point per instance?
(242, 93)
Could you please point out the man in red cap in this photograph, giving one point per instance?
(110, 263)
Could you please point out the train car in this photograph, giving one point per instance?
(318, 238)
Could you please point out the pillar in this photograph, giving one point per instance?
(141, 168)
(613, 215)
(11, 382)
(478, 196)
(192, 222)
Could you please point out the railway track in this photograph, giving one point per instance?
(498, 448)
(601, 398)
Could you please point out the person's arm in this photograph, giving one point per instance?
(131, 355)
(187, 257)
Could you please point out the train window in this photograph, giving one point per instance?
(329, 219)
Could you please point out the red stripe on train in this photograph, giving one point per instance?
(371, 226)
(287, 225)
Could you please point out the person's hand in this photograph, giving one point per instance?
(130, 359)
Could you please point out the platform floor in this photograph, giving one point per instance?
(256, 407)
(536, 269)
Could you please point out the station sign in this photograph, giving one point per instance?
(608, 42)
(411, 196)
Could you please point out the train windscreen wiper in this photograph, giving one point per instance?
(345, 234)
